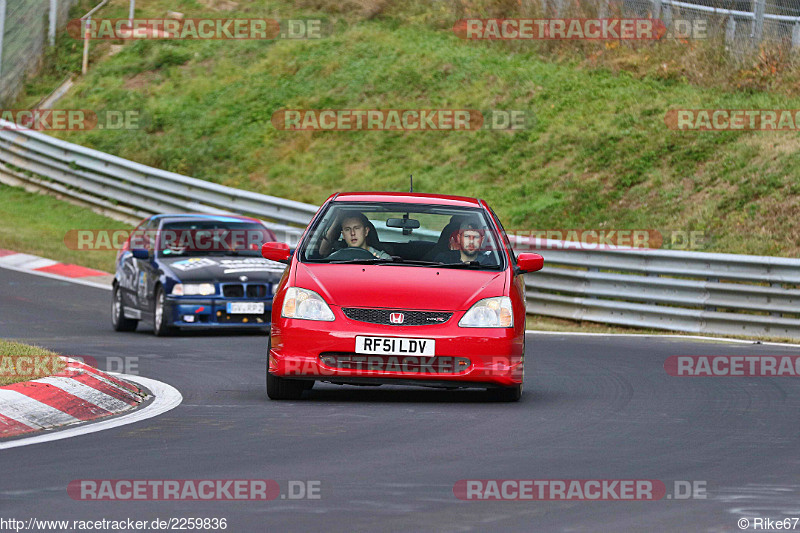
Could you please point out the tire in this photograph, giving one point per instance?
(118, 320)
(160, 326)
(506, 394)
(284, 389)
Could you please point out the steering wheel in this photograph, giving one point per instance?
(346, 254)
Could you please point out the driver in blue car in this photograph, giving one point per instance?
(466, 246)
(354, 230)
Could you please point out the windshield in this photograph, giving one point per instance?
(210, 237)
(410, 234)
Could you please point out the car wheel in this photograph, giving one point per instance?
(118, 320)
(506, 394)
(160, 326)
(284, 389)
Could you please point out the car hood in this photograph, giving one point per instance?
(222, 268)
(400, 287)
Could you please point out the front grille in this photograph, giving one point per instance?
(396, 363)
(256, 291)
(233, 290)
(238, 290)
(383, 316)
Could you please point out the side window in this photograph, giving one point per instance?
(152, 235)
(505, 237)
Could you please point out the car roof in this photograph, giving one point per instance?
(202, 216)
(407, 197)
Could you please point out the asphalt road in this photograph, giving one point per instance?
(387, 458)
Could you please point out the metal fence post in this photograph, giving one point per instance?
(86, 35)
(758, 24)
(51, 33)
(656, 9)
(796, 35)
(602, 9)
(730, 29)
(131, 9)
(2, 31)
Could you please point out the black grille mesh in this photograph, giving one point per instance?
(410, 318)
(237, 290)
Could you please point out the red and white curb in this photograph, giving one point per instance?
(165, 398)
(77, 394)
(41, 266)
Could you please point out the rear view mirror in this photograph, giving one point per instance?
(405, 223)
(139, 253)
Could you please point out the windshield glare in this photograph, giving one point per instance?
(396, 233)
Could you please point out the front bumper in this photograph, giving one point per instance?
(306, 349)
(201, 313)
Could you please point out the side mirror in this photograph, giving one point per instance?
(529, 263)
(276, 251)
(140, 253)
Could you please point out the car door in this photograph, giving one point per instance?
(146, 268)
(128, 266)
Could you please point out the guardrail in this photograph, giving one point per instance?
(128, 190)
(661, 289)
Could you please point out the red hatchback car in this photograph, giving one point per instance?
(402, 289)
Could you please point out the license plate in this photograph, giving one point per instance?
(395, 346)
(245, 308)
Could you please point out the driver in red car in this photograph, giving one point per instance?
(354, 230)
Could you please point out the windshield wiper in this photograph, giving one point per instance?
(468, 264)
(358, 261)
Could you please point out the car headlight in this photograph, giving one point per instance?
(306, 305)
(193, 289)
(489, 313)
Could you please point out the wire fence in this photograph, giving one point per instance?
(27, 27)
(744, 25)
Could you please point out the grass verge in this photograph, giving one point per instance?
(37, 224)
(9, 351)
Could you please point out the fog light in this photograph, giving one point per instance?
(188, 318)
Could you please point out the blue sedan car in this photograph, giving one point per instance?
(195, 272)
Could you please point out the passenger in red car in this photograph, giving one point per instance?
(466, 246)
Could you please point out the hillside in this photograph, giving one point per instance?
(597, 155)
